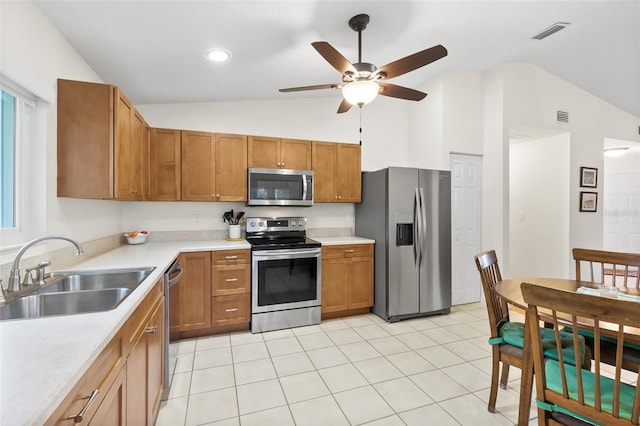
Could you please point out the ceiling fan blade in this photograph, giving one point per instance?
(344, 106)
(316, 87)
(395, 91)
(412, 62)
(335, 58)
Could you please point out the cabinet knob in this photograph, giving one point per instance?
(151, 329)
(339, 197)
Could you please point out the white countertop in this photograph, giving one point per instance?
(333, 241)
(42, 359)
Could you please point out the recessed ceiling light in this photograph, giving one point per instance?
(218, 54)
(616, 152)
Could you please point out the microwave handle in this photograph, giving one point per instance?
(304, 187)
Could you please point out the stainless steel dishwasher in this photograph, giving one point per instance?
(171, 277)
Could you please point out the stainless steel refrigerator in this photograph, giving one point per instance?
(407, 212)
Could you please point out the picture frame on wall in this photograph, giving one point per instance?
(588, 201)
(588, 177)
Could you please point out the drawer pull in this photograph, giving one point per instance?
(151, 329)
(231, 257)
(80, 416)
(348, 251)
(231, 310)
(229, 280)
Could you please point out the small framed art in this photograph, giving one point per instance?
(588, 201)
(588, 177)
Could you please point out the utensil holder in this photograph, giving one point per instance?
(234, 232)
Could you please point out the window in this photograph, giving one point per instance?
(7, 159)
(23, 164)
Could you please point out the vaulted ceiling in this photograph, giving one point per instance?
(155, 50)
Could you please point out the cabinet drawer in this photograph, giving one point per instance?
(232, 309)
(352, 250)
(230, 257)
(230, 280)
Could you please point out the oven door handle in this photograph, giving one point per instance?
(286, 253)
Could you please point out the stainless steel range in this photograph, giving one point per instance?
(286, 269)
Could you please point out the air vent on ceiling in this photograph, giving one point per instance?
(562, 116)
(551, 30)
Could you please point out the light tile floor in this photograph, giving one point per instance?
(349, 371)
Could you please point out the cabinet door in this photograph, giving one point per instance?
(198, 162)
(295, 154)
(136, 368)
(195, 291)
(113, 409)
(334, 285)
(155, 365)
(324, 170)
(139, 155)
(85, 139)
(361, 282)
(231, 167)
(349, 181)
(264, 152)
(165, 165)
(123, 146)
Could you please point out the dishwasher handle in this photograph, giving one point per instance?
(171, 278)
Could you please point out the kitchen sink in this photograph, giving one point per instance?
(65, 281)
(65, 303)
(76, 292)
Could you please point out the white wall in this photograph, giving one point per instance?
(539, 207)
(34, 47)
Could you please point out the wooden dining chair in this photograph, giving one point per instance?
(498, 312)
(608, 267)
(506, 337)
(563, 394)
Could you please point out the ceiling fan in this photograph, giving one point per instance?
(362, 81)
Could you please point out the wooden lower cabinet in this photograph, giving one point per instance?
(213, 294)
(195, 292)
(126, 378)
(347, 279)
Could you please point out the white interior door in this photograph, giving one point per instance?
(466, 225)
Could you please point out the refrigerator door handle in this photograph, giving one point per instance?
(415, 227)
(417, 241)
(423, 228)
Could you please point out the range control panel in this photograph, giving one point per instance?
(275, 224)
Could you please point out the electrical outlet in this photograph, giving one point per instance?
(196, 218)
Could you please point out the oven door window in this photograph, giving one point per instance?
(287, 281)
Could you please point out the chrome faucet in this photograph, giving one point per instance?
(14, 278)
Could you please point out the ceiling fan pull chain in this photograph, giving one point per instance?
(360, 126)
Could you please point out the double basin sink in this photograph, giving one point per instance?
(77, 292)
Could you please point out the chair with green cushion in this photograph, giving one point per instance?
(563, 395)
(507, 337)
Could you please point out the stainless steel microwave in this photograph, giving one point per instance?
(280, 187)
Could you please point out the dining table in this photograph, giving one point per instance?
(509, 291)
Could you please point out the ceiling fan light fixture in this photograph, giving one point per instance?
(218, 55)
(360, 92)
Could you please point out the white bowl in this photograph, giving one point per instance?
(138, 239)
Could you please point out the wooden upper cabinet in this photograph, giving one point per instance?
(214, 166)
(198, 162)
(337, 170)
(165, 165)
(276, 153)
(231, 167)
(349, 182)
(85, 140)
(103, 143)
